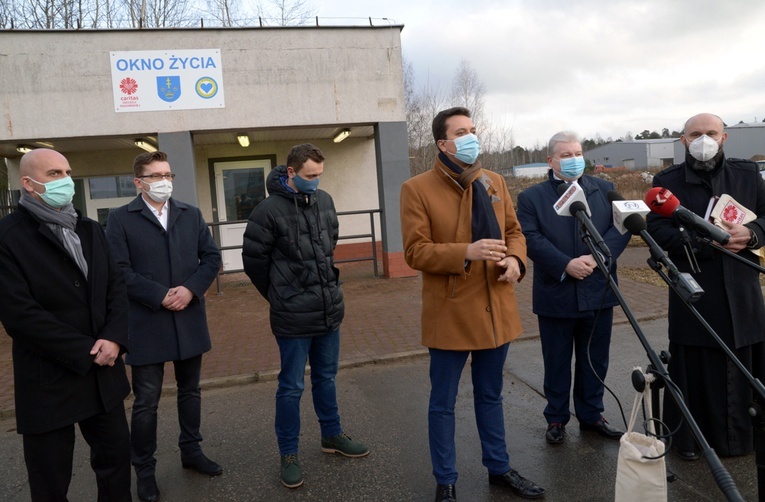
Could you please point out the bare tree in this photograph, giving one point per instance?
(225, 12)
(468, 90)
(421, 107)
(7, 11)
(285, 12)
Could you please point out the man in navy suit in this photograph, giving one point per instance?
(169, 259)
(571, 297)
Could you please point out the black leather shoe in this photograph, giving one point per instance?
(688, 456)
(603, 428)
(555, 433)
(202, 464)
(147, 489)
(518, 484)
(446, 493)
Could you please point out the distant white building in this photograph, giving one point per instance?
(639, 154)
(534, 170)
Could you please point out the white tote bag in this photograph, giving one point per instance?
(638, 476)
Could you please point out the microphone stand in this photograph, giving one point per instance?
(721, 475)
(756, 410)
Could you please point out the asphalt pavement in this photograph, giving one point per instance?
(385, 405)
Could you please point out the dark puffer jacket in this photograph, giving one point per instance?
(288, 254)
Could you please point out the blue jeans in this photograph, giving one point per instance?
(486, 369)
(567, 337)
(147, 387)
(323, 353)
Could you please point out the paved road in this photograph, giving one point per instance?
(385, 405)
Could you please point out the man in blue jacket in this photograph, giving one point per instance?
(169, 259)
(571, 297)
(288, 253)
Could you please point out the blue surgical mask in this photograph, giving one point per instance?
(58, 193)
(305, 186)
(572, 167)
(468, 148)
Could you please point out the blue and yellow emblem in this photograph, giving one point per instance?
(169, 88)
(206, 87)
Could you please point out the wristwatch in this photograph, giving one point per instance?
(753, 241)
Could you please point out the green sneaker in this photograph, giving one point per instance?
(292, 474)
(343, 445)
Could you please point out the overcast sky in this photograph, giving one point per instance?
(605, 67)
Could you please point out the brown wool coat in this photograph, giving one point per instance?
(464, 307)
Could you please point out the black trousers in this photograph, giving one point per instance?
(48, 457)
(147, 387)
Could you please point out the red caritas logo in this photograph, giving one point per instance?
(731, 213)
(128, 86)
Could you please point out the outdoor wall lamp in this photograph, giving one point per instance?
(243, 139)
(145, 145)
(344, 133)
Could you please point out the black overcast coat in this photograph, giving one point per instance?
(155, 260)
(55, 315)
(732, 302)
(288, 254)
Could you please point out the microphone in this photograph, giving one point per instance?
(623, 209)
(577, 207)
(570, 193)
(684, 284)
(663, 202)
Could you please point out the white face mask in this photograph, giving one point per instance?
(159, 191)
(703, 148)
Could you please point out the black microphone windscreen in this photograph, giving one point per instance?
(634, 223)
(562, 188)
(613, 196)
(577, 206)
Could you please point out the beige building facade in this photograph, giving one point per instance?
(94, 94)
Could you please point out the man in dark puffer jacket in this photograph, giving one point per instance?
(288, 254)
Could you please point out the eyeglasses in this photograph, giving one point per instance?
(158, 177)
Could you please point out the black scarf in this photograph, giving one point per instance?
(484, 222)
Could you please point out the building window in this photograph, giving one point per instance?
(111, 187)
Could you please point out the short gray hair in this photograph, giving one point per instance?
(561, 137)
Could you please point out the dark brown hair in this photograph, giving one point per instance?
(147, 158)
(299, 154)
(439, 123)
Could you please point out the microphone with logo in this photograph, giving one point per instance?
(663, 202)
(628, 215)
(572, 202)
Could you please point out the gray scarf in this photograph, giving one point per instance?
(62, 223)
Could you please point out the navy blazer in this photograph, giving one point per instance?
(155, 260)
(552, 241)
(55, 315)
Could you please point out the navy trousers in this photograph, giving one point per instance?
(577, 337)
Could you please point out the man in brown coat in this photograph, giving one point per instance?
(460, 230)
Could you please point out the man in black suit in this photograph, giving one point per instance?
(169, 259)
(64, 303)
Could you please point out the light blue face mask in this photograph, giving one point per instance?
(305, 186)
(58, 193)
(572, 167)
(468, 148)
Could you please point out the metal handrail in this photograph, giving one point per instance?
(213, 226)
